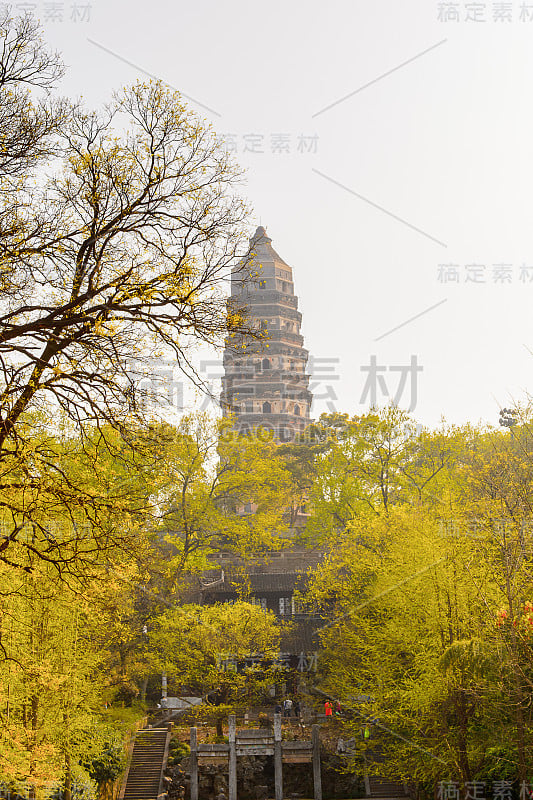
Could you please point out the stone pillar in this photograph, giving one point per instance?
(194, 764)
(232, 777)
(164, 686)
(278, 760)
(366, 779)
(317, 777)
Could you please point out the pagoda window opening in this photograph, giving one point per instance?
(297, 410)
(266, 363)
(267, 408)
(285, 606)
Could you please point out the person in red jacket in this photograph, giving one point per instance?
(328, 709)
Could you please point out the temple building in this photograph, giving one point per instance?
(265, 382)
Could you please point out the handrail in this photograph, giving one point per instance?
(161, 792)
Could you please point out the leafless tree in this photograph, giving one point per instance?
(118, 230)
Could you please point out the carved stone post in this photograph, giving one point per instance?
(194, 764)
(232, 777)
(278, 760)
(317, 777)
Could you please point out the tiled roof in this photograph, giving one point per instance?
(275, 581)
(291, 559)
(259, 582)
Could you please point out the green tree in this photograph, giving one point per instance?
(205, 648)
(363, 468)
(430, 608)
(50, 677)
(210, 476)
(73, 499)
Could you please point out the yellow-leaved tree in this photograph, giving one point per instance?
(113, 258)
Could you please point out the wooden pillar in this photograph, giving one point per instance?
(232, 777)
(317, 777)
(278, 760)
(194, 764)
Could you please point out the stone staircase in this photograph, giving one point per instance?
(379, 785)
(148, 759)
(384, 788)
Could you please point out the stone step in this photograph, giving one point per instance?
(146, 763)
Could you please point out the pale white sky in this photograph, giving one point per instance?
(427, 161)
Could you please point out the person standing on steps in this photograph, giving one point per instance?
(287, 707)
(341, 747)
(328, 709)
(297, 709)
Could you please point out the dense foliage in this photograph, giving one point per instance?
(429, 581)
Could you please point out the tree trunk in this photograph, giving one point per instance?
(520, 730)
(462, 739)
(68, 778)
(143, 689)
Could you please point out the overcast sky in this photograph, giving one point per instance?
(389, 151)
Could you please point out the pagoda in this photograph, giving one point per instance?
(265, 384)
